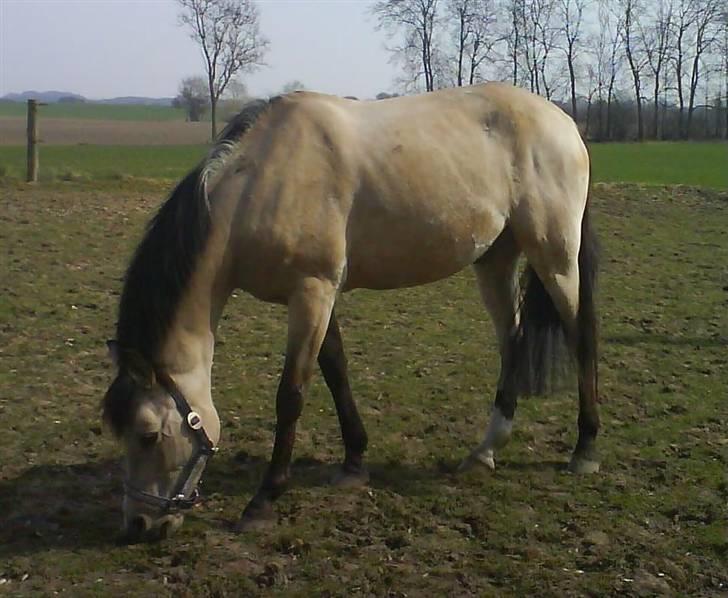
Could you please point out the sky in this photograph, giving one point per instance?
(108, 48)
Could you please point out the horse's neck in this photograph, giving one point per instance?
(187, 353)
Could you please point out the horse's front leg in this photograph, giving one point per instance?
(309, 310)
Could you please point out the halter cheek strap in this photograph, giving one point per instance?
(185, 493)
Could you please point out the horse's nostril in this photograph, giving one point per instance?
(166, 530)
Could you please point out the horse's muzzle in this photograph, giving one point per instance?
(141, 528)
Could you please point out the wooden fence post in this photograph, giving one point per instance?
(32, 175)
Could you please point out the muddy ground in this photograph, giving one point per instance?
(423, 368)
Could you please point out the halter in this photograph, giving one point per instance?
(185, 493)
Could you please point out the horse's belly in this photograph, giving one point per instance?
(404, 254)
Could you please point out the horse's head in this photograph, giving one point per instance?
(167, 445)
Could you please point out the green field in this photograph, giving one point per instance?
(95, 111)
(693, 164)
(423, 365)
(104, 162)
(688, 163)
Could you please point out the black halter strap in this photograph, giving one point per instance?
(185, 493)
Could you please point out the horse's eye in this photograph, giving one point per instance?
(148, 440)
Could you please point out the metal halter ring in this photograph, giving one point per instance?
(194, 420)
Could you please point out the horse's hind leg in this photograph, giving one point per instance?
(309, 310)
(567, 274)
(332, 362)
(497, 282)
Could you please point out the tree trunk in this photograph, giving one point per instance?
(588, 117)
(655, 116)
(516, 43)
(460, 68)
(725, 133)
(572, 78)
(694, 79)
(473, 66)
(637, 98)
(600, 114)
(213, 118)
(640, 123)
(610, 93)
(461, 50)
(680, 94)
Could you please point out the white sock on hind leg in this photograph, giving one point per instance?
(496, 436)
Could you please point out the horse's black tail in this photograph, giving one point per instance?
(588, 338)
(540, 354)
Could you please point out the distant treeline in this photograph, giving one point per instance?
(624, 69)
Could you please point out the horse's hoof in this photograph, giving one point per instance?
(478, 459)
(256, 519)
(582, 465)
(350, 479)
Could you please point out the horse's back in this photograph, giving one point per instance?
(403, 191)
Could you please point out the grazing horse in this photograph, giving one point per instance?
(306, 196)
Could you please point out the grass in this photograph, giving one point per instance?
(689, 163)
(103, 162)
(95, 111)
(697, 164)
(423, 366)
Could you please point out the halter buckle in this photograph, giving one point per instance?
(194, 420)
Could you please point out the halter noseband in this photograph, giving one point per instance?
(185, 493)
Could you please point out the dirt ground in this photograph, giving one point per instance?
(74, 131)
(423, 367)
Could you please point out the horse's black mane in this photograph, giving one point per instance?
(163, 263)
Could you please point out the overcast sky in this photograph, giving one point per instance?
(107, 48)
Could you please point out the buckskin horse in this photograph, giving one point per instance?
(306, 196)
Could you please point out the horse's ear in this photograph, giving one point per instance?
(114, 351)
(139, 369)
(135, 365)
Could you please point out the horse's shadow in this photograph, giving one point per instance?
(60, 506)
(79, 506)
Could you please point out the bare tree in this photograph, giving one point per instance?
(484, 37)
(681, 23)
(475, 37)
(705, 15)
(591, 89)
(607, 55)
(655, 39)
(570, 16)
(539, 39)
(462, 13)
(630, 11)
(415, 20)
(192, 97)
(228, 33)
(530, 23)
(723, 53)
(627, 68)
(515, 11)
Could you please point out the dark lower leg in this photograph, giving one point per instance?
(505, 402)
(585, 458)
(309, 309)
(289, 403)
(332, 361)
(588, 421)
